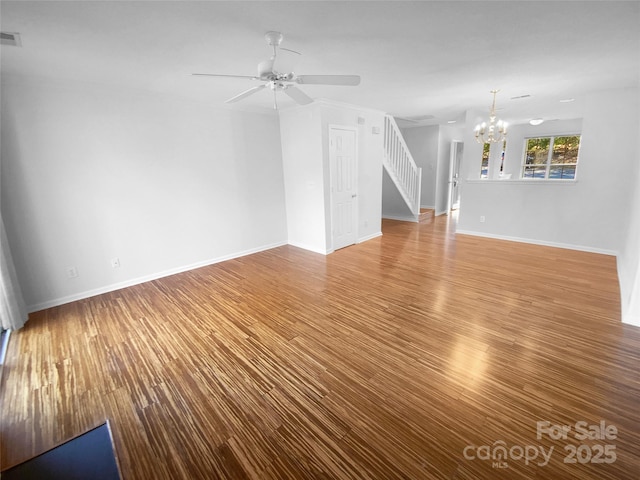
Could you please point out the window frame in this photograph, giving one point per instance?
(548, 163)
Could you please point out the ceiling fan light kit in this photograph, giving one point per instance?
(284, 81)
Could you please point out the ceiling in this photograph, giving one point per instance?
(417, 59)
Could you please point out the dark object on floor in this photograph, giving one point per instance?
(88, 456)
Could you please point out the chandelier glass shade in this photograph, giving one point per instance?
(495, 131)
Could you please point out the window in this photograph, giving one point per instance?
(554, 158)
(484, 168)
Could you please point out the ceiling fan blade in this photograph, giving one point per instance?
(289, 50)
(245, 94)
(252, 77)
(298, 95)
(328, 79)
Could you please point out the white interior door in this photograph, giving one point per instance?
(344, 181)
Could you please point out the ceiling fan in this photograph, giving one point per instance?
(277, 74)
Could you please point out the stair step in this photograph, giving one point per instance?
(426, 214)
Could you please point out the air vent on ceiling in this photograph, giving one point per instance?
(10, 38)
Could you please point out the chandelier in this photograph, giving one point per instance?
(495, 131)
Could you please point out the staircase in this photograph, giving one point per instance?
(401, 167)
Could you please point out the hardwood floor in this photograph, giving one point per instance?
(391, 359)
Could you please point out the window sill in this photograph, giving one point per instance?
(527, 181)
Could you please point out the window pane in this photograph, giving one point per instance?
(569, 171)
(534, 171)
(537, 151)
(561, 153)
(565, 149)
(562, 171)
(555, 172)
(484, 169)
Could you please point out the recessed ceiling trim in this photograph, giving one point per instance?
(417, 118)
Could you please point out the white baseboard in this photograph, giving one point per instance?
(147, 278)
(331, 250)
(369, 237)
(567, 246)
(310, 248)
(631, 320)
(631, 307)
(400, 218)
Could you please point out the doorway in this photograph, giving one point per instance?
(455, 159)
(344, 182)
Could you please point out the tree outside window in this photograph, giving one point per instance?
(553, 158)
(484, 168)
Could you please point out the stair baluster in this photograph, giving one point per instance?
(401, 167)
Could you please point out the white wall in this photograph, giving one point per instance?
(304, 177)
(423, 143)
(430, 147)
(90, 173)
(589, 214)
(370, 152)
(305, 140)
(514, 152)
(629, 263)
(629, 257)
(393, 204)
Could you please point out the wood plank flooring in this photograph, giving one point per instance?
(384, 360)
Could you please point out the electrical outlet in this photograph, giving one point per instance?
(481, 218)
(72, 272)
(115, 262)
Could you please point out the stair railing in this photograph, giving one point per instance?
(400, 165)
